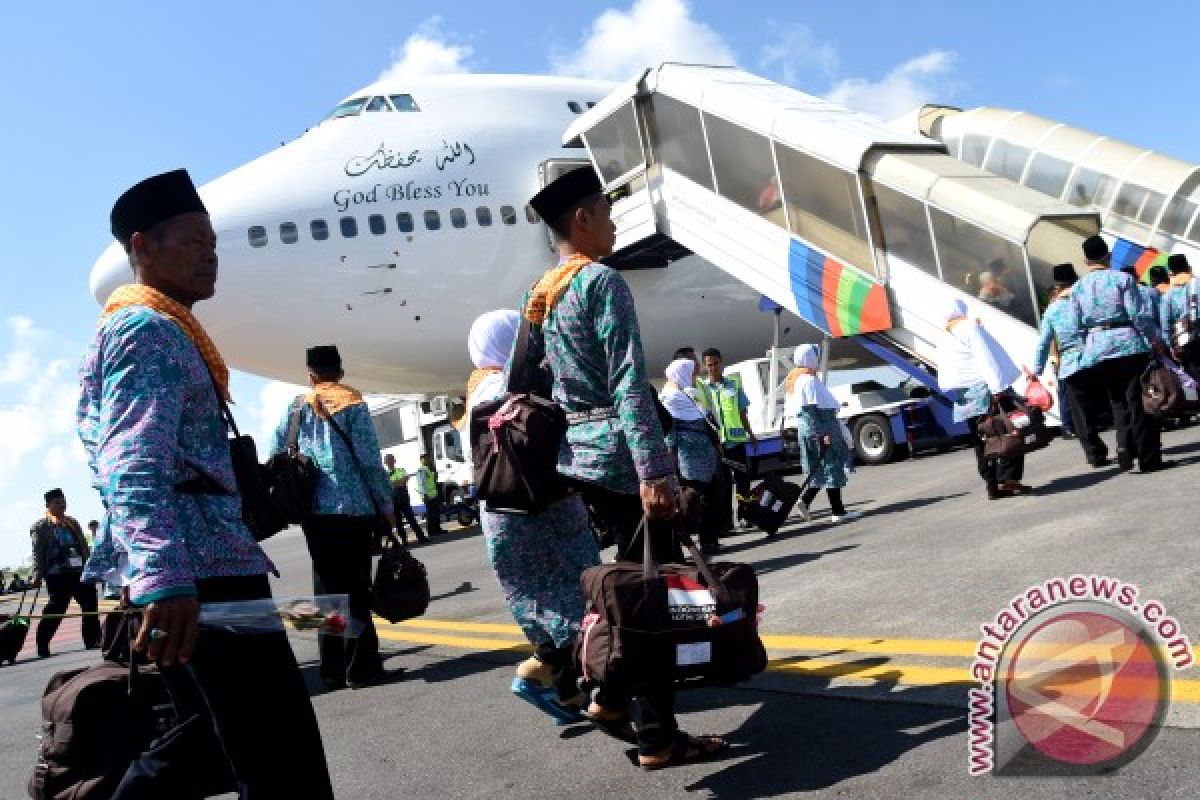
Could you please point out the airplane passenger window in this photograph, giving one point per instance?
(433, 220)
(508, 215)
(743, 165)
(531, 215)
(376, 224)
(404, 222)
(404, 102)
(591, 103)
(679, 139)
(458, 218)
(288, 233)
(258, 236)
(319, 230)
(574, 106)
(378, 104)
(349, 226)
(483, 215)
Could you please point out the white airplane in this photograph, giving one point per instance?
(388, 227)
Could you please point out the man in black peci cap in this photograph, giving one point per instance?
(584, 325)
(1118, 338)
(336, 433)
(59, 553)
(150, 418)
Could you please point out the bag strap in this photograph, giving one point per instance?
(650, 566)
(518, 377)
(32, 605)
(362, 473)
(293, 434)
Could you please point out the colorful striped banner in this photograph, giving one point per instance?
(838, 299)
(1127, 254)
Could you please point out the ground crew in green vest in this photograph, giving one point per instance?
(427, 485)
(726, 402)
(398, 477)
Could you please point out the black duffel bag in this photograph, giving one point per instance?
(291, 475)
(515, 442)
(693, 624)
(401, 587)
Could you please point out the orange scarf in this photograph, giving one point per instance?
(795, 375)
(552, 287)
(477, 377)
(334, 397)
(138, 294)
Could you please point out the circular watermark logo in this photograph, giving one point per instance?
(1082, 689)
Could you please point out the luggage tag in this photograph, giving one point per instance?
(693, 653)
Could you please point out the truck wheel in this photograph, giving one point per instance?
(873, 440)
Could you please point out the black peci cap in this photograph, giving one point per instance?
(565, 193)
(1095, 249)
(54, 494)
(1064, 274)
(1178, 264)
(152, 201)
(324, 359)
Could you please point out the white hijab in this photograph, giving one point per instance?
(808, 390)
(969, 355)
(676, 400)
(489, 344)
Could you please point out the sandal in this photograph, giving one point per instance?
(684, 750)
(618, 727)
(546, 700)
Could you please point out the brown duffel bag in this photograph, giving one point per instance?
(694, 624)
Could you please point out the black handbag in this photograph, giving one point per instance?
(291, 475)
(259, 511)
(515, 442)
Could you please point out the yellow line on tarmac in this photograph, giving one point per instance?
(417, 632)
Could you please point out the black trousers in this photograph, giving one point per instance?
(710, 515)
(433, 515)
(1115, 383)
(404, 513)
(650, 704)
(61, 590)
(835, 499)
(994, 470)
(259, 701)
(732, 480)
(340, 547)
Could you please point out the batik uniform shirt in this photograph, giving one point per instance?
(1060, 324)
(1150, 308)
(340, 486)
(593, 347)
(1109, 297)
(1173, 306)
(149, 419)
(694, 451)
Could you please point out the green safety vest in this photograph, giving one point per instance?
(728, 411)
(429, 487)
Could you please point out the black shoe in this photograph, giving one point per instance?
(1124, 461)
(1158, 465)
(1102, 462)
(43, 652)
(333, 684)
(376, 679)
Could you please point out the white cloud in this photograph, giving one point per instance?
(794, 52)
(428, 52)
(619, 44)
(38, 395)
(912, 84)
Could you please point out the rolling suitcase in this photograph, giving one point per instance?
(14, 631)
(770, 503)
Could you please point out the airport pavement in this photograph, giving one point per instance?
(871, 627)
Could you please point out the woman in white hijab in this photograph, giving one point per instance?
(826, 457)
(538, 558)
(975, 371)
(693, 445)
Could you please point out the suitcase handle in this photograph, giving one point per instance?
(650, 566)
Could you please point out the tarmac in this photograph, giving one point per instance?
(871, 627)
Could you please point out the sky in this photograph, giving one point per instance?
(97, 96)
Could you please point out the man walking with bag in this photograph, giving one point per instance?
(584, 325)
(59, 551)
(352, 495)
(149, 416)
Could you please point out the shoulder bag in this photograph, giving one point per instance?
(291, 475)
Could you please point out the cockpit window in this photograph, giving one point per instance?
(348, 108)
(404, 102)
(378, 104)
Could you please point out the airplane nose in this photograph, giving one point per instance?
(110, 271)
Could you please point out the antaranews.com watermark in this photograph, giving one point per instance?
(1073, 678)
